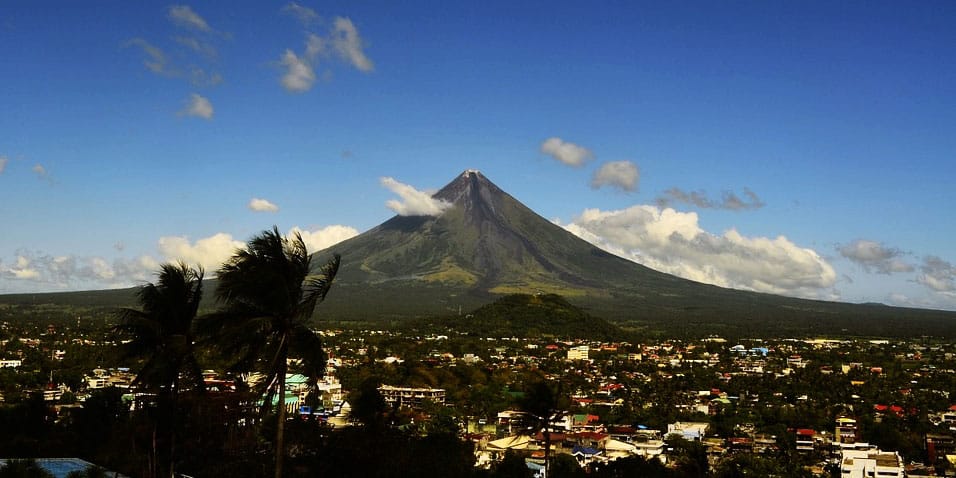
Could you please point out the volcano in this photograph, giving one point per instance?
(487, 244)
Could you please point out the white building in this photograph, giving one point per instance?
(578, 353)
(871, 463)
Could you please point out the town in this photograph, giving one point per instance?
(704, 406)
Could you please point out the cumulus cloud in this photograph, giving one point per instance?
(318, 239)
(209, 252)
(198, 106)
(3, 163)
(184, 16)
(349, 44)
(566, 151)
(938, 275)
(49, 272)
(299, 76)
(875, 257)
(728, 201)
(22, 270)
(673, 242)
(622, 175)
(262, 205)
(304, 15)
(412, 202)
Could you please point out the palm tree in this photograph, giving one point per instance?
(269, 294)
(543, 404)
(163, 333)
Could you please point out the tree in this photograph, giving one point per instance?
(269, 294)
(542, 403)
(163, 333)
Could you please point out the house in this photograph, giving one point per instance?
(411, 397)
(693, 431)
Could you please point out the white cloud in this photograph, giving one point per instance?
(299, 76)
(209, 252)
(262, 205)
(349, 45)
(184, 16)
(305, 15)
(198, 106)
(318, 239)
(566, 151)
(619, 174)
(412, 201)
(3, 163)
(873, 256)
(22, 270)
(673, 242)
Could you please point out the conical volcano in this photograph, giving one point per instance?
(484, 243)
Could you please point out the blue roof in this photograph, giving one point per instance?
(584, 450)
(60, 467)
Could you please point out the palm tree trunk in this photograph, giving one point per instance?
(280, 426)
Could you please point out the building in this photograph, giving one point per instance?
(10, 363)
(692, 431)
(871, 463)
(411, 397)
(578, 353)
(846, 430)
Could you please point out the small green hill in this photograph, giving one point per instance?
(524, 315)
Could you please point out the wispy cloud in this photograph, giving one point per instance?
(349, 45)
(156, 60)
(566, 151)
(873, 256)
(198, 106)
(674, 242)
(203, 48)
(938, 275)
(184, 16)
(262, 205)
(3, 163)
(728, 201)
(299, 76)
(412, 202)
(622, 175)
(192, 53)
(342, 41)
(41, 172)
(304, 15)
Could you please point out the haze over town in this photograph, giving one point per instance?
(804, 150)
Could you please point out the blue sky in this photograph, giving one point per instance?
(805, 149)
